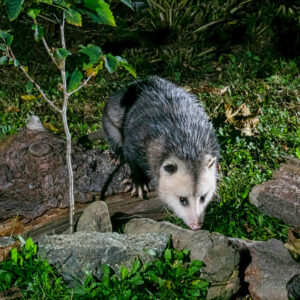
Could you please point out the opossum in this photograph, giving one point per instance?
(164, 134)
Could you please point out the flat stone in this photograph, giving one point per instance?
(95, 218)
(270, 268)
(84, 251)
(221, 260)
(35, 124)
(280, 198)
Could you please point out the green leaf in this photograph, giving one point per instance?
(2, 47)
(29, 87)
(38, 32)
(93, 52)
(14, 255)
(129, 68)
(75, 80)
(111, 63)
(33, 13)
(16, 63)
(261, 220)
(29, 245)
(62, 53)
(73, 17)
(6, 37)
(168, 255)
(137, 279)
(128, 3)
(103, 11)
(3, 60)
(124, 273)
(135, 267)
(45, 1)
(14, 8)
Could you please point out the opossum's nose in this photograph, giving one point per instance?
(195, 226)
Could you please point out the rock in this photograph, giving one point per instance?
(269, 268)
(73, 254)
(213, 249)
(6, 241)
(280, 198)
(35, 124)
(95, 218)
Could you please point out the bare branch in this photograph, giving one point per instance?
(47, 19)
(11, 55)
(62, 32)
(82, 85)
(56, 18)
(48, 49)
(67, 131)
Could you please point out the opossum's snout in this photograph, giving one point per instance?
(195, 226)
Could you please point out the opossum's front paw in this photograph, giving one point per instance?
(113, 157)
(136, 190)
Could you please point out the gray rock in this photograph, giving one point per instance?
(35, 124)
(213, 249)
(6, 241)
(95, 218)
(73, 254)
(270, 268)
(280, 198)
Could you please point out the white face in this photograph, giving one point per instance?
(187, 199)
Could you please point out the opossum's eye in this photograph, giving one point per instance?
(184, 201)
(202, 198)
(171, 168)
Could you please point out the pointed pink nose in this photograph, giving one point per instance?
(195, 226)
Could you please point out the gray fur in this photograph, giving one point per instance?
(153, 120)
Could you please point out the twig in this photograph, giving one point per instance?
(47, 19)
(47, 48)
(11, 55)
(81, 86)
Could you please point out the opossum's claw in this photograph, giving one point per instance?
(141, 192)
(134, 191)
(127, 189)
(126, 181)
(113, 157)
(146, 188)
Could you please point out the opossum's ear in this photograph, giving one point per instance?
(170, 168)
(209, 160)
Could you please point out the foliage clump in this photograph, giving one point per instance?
(173, 276)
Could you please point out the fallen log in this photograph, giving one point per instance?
(34, 185)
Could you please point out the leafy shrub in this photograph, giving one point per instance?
(172, 277)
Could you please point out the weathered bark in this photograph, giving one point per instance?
(34, 183)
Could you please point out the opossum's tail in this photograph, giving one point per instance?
(91, 137)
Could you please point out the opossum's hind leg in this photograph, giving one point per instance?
(114, 137)
(137, 184)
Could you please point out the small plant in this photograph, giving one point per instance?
(34, 277)
(171, 277)
(88, 59)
